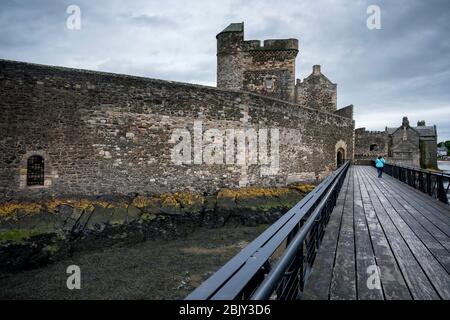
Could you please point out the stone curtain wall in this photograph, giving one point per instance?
(110, 134)
(363, 142)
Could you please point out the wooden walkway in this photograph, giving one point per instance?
(383, 227)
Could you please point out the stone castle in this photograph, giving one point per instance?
(268, 68)
(77, 132)
(404, 145)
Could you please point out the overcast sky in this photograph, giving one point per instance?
(401, 69)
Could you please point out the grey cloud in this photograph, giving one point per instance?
(150, 20)
(402, 69)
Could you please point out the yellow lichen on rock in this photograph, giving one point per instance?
(140, 202)
(168, 200)
(189, 198)
(252, 192)
(227, 193)
(304, 188)
(83, 204)
(10, 208)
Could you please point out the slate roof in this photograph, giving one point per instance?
(424, 131)
(234, 27)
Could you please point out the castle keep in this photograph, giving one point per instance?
(268, 68)
(76, 132)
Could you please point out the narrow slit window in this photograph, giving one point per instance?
(35, 171)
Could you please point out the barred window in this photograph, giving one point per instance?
(268, 83)
(35, 171)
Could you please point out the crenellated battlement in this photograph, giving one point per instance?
(361, 131)
(265, 67)
(234, 35)
(272, 45)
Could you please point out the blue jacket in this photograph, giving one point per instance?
(379, 163)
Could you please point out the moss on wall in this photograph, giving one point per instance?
(18, 235)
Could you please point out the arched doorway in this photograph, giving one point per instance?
(341, 153)
(340, 157)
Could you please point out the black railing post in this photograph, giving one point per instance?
(429, 187)
(421, 182)
(436, 185)
(441, 192)
(257, 272)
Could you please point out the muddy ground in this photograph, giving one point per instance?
(148, 270)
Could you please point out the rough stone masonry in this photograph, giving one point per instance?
(95, 133)
(87, 158)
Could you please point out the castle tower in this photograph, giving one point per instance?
(266, 68)
(230, 57)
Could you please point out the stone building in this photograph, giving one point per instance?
(76, 132)
(267, 67)
(317, 91)
(403, 145)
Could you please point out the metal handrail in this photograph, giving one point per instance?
(435, 184)
(248, 275)
(273, 278)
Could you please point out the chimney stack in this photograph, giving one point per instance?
(316, 69)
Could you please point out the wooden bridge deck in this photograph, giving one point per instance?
(383, 223)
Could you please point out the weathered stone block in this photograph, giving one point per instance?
(133, 213)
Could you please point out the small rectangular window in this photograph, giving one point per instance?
(268, 83)
(35, 171)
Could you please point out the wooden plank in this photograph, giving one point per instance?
(432, 243)
(422, 206)
(435, 272)
(417, 198)
(417, 281)
(343, 283)
(434, 203)
(421, 216)
(365, 259)
(318, 284)
(392, 281)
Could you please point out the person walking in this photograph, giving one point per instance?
(379, 163)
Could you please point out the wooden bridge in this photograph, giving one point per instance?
(383, 223)
(356, 236)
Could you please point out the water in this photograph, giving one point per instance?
(444, 165)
